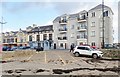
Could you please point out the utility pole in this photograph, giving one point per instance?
(2, 23)
(103, 43)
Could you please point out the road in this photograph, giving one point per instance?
(47, 62)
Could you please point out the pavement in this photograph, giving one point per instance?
(56, 62)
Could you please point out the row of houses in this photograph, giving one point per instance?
(85, 27)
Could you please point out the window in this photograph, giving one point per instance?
(21, 40)
(38, 38)
(105, 14)
(45, 37)
(82, 48)
(50, 36)
(30, 38)
(93, 44)
(8, 40)
(4, 41)
(93, 14)
(82, 35)
(16, 40)
(87, 48)
(93, 33)
(82, 16)
(93, 24)
(61, 44)
(63, 19)
(12, 40)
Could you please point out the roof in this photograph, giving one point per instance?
(42, 28)
(100, 7)
(57, 19)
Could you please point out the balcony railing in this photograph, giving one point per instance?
(63, 22)
(82, 28)
(62, 38)
(63, 29)
(81, 19)
(82, 37)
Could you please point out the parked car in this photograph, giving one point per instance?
(87, 50)
(39, 49)
(4, 48)
(14, 48)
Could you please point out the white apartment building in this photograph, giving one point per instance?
(95, 26)
(83, 28)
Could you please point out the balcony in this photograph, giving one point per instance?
(63, 30)
(62, 38)
(81, 19)
(63, 22)
(81, 28)
(82, 37)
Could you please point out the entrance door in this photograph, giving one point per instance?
(54, 46)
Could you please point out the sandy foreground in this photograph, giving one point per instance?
(55, 62)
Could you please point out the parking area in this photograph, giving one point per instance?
(55, 60)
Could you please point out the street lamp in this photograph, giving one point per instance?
(103, 43)
(2, 23)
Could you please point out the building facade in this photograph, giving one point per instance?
(15, 38)
(84, 27)
(40, 34)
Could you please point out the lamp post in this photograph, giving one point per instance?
(2, 23)
(38, 39)
(103, 43)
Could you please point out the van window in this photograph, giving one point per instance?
(87, 48)
(82, 48)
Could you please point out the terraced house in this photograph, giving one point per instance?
(15, 38)
(42, 35)
(84, 27)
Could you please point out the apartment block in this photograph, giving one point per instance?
(84, 27)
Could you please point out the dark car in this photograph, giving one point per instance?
(39, 49)
(4, 48)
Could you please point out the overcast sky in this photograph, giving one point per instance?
(24, 13)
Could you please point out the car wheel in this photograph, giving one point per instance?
(95, 56)
(77, 54)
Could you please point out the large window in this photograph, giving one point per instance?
(105, 14)
(82, 16)
(93, 44)
(4, 41)
(12, 40)
(61, 44)
(81, 35)
(8, 40)
(93, 14)
(16, 40)
(50, 36)
(44, 36)
(38, 38)
(30, 38)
